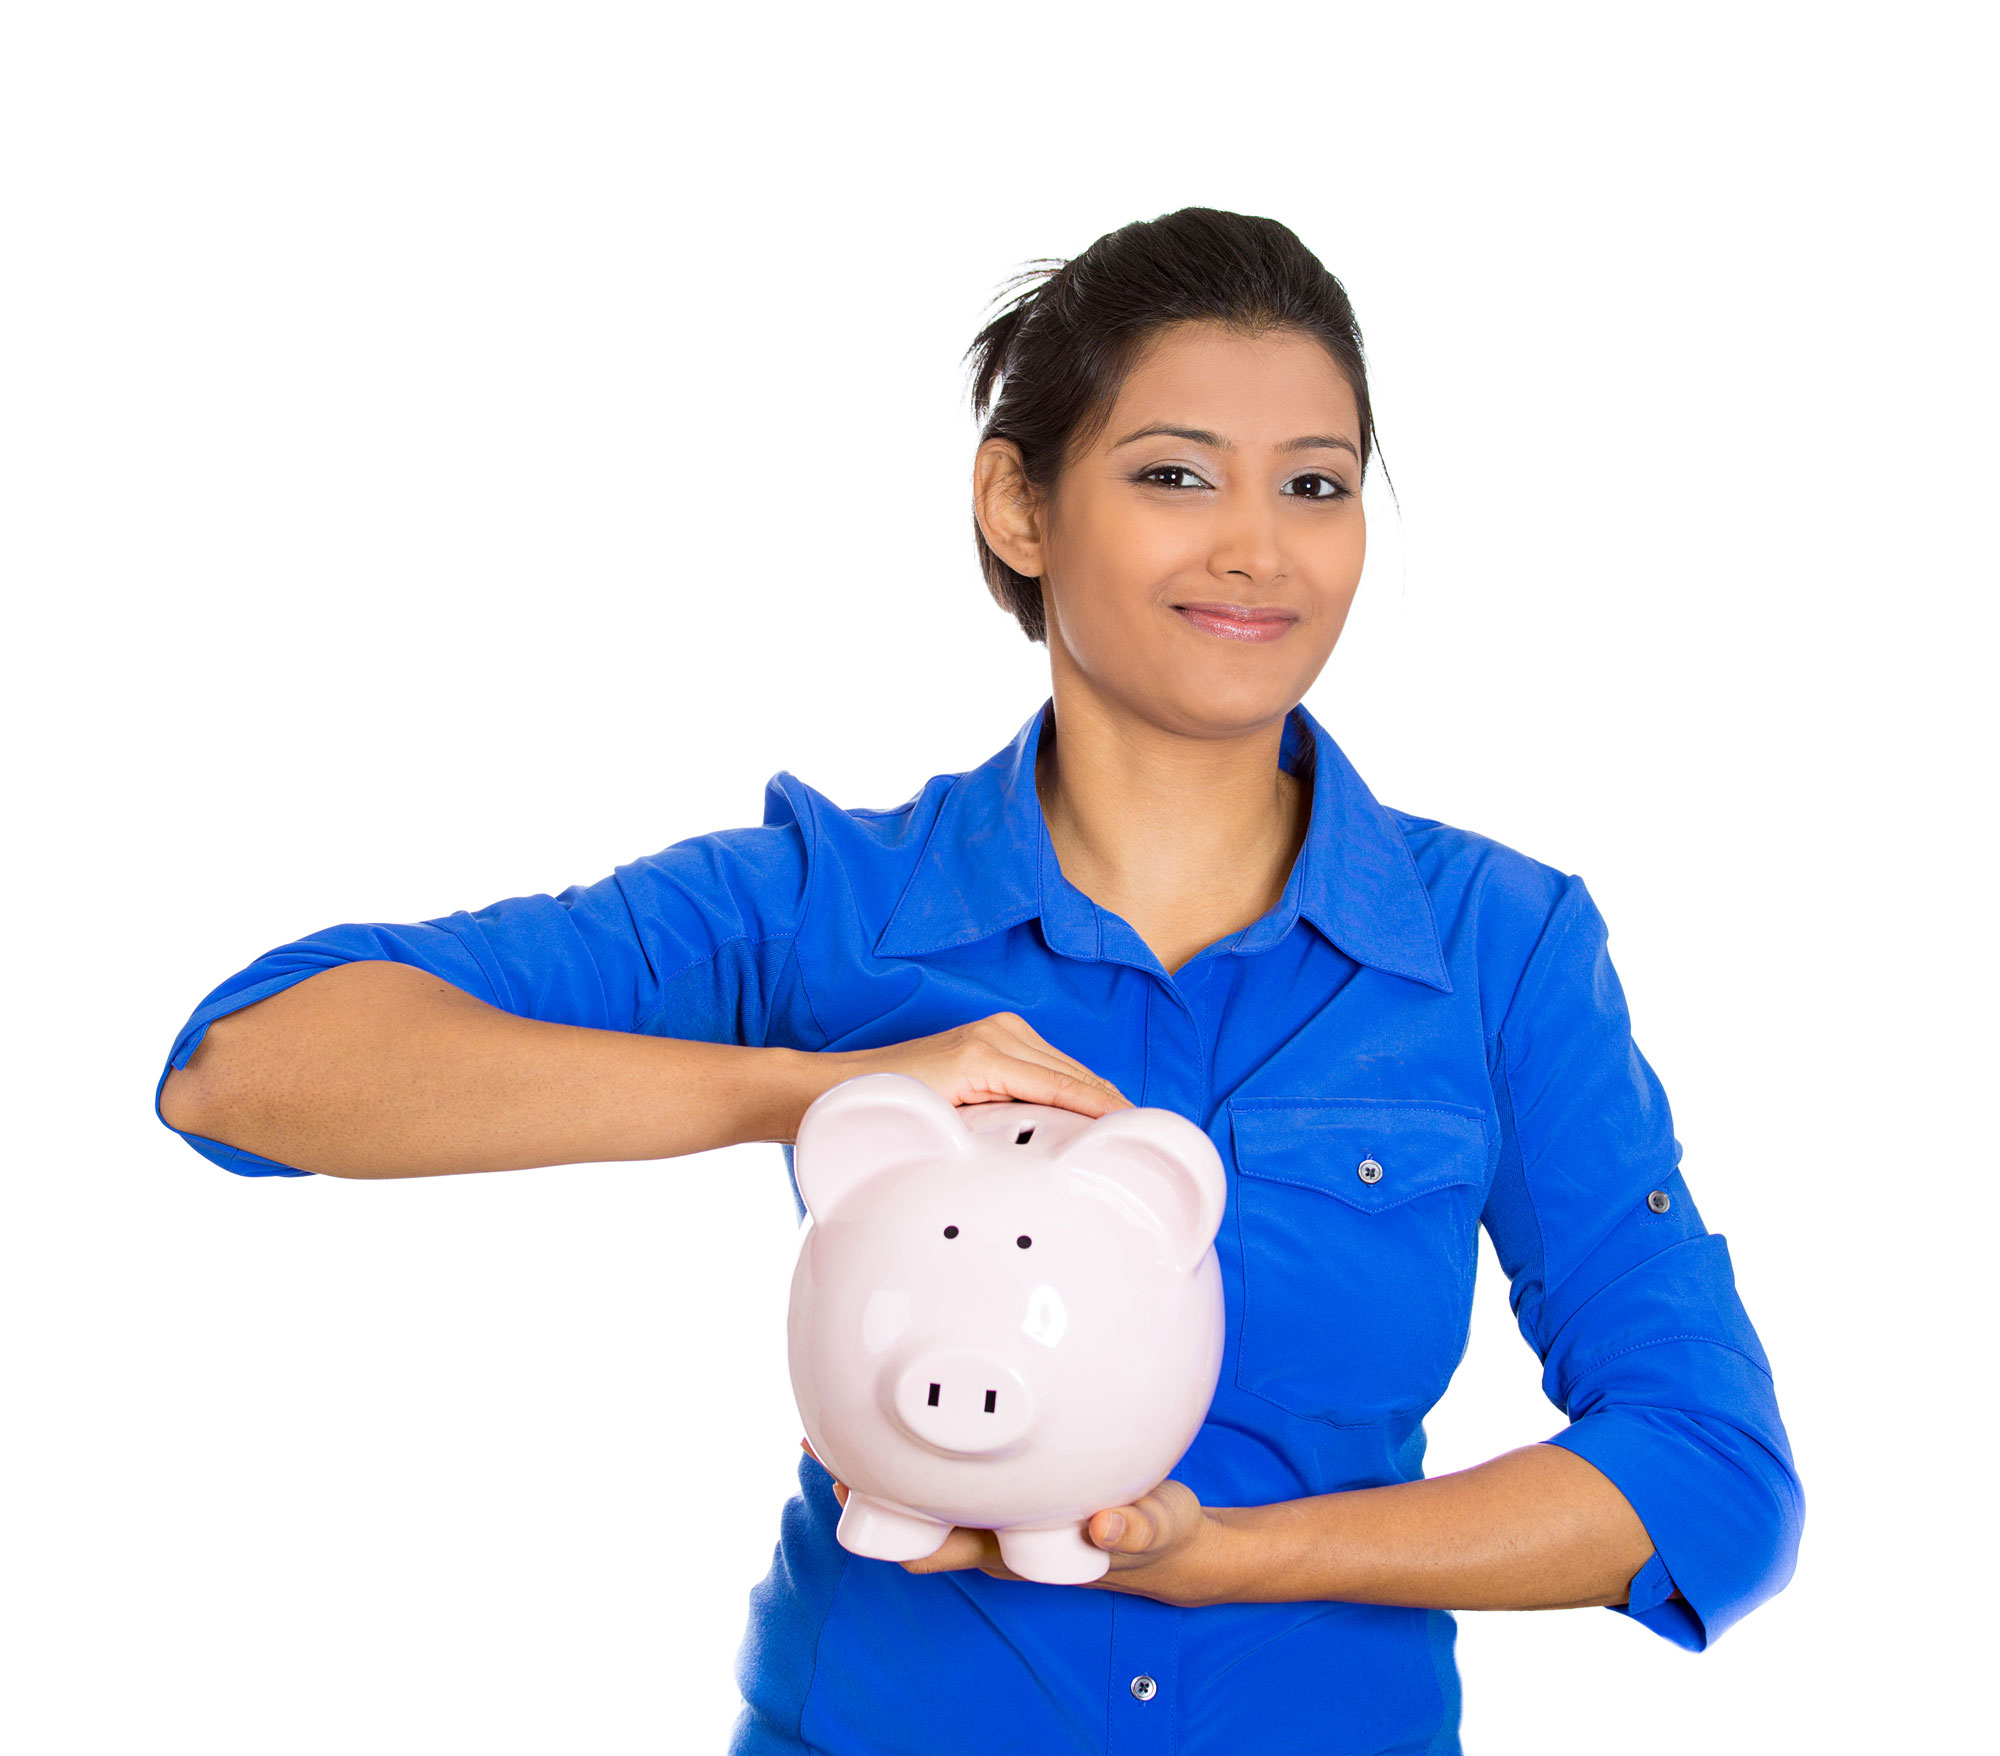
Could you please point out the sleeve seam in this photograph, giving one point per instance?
(645, 1027)
(496, 976)
(791, 933)
(638, 937)
(1580, 1372)
(796, 962)
(805, 990)
(1527, 1188)
(1530, 977)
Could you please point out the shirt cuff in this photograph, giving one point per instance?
(1608, 1446)
(1651, 1586)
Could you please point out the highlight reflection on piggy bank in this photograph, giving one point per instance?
(1006, 1316)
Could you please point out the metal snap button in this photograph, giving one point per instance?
(1659, 1201)
(1370, 1171)
(1144, 1688)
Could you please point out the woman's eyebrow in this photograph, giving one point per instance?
(1201, 436)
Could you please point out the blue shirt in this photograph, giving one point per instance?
(1420, 998)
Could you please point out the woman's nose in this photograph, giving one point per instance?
(1246, 544)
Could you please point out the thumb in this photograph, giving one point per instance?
(1125, 1530)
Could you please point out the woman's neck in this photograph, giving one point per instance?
(1186, 839)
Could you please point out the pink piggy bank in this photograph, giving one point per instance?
(1005, 1315)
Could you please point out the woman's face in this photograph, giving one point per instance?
(1228, 476)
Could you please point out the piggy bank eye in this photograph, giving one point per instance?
(1024, 1240)
(951, 1231)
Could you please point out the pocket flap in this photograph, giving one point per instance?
(1330, 1145)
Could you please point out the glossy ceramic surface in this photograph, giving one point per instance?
(1006, 1316)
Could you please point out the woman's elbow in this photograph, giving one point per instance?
(230, 1089)
(181, 1102)
(1759, 1548)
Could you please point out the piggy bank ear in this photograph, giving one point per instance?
(1156, 1164)
(866, 1125)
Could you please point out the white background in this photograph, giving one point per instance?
(450, 450)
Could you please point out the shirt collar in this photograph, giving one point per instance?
(989, 864)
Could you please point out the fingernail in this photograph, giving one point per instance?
(1114, 1528)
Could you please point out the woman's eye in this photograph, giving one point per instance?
(1329, 488)
(1169, 469)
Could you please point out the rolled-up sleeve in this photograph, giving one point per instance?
(1627, 1298)
(696, 941)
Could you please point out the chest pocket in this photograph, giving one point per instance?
(1359, 1222)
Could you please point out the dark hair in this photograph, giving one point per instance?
(1062, 344)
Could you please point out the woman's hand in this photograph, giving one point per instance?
(990, 1060)
(1166, 1545)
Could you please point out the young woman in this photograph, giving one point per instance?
(1168, 888)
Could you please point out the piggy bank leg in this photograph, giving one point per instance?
(1063, 1556)
(887, 1533)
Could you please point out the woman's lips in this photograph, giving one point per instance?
(1232, 627)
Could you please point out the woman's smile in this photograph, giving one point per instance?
(1238, 621)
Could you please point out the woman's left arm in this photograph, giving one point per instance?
(1629, 1301)
(1536, 1529)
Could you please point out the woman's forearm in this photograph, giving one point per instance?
(1535, 1529)
(376, 1069)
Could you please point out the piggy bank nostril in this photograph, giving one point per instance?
(992, 1396)
(1022, 1138)
(934, 1396)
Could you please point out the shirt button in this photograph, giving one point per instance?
(1659, 1201)
(1370, 1171)
(1144, 1688)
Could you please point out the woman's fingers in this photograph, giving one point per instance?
(1013, 1061)
(1029, 1045)
(993, 1060)
(839, 1487)
(962, 1547)
(806, 1444)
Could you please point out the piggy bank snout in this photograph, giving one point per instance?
(965, 1401)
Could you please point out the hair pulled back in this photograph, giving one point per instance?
(1069, 331)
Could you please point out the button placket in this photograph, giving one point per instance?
(1145, 1658)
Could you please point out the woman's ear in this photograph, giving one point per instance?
(1007, 507)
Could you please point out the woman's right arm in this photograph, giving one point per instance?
(378, 1069)
(658, 1012)
(375, 1069)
